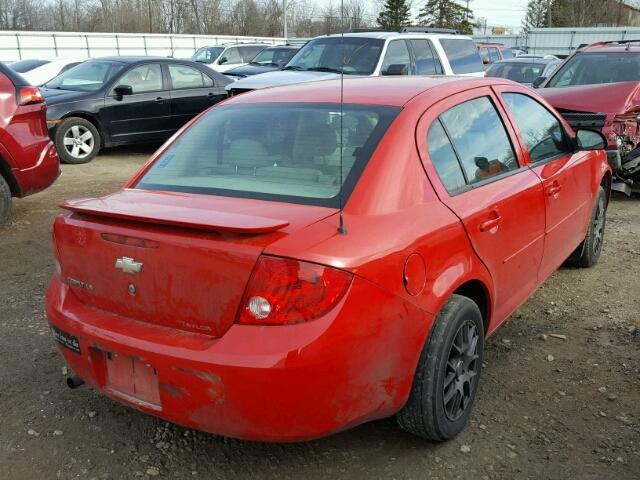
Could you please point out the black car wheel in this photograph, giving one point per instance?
(5, 201)
(446, 380)
(588, 252)
(77, 140)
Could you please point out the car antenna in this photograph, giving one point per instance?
(341, 228)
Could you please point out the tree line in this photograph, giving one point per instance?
(577, 13)
(305, 18)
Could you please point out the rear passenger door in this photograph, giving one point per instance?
(192, 91)
(475, 166)
(565, 174)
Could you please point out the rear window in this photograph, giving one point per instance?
(462, 54)
(283, 152)
(24, 66)
(522, 72)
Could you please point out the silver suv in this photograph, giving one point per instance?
(228, 55)
(410, 51)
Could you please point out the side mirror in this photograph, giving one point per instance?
(223, 60)
(122, 90)
(590, 140)
(396, 69)
(538, 81)
(486, 60)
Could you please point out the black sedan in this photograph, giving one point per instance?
(268, 60)
(112, 101)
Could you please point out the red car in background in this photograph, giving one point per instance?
(288, 266)
(598, 87)
(493, 52)
(28, 160)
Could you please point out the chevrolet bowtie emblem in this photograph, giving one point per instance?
(128, 265)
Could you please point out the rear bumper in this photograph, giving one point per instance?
(286, 383)
(42, 174)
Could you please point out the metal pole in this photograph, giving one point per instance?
(549, 14)
(150, 20)
(284, 18)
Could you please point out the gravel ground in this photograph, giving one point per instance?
(559, 398)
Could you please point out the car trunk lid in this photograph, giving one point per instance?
(173, 259)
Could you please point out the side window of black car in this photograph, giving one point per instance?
(144, 78)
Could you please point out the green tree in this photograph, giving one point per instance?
(446, 14)
(394, 15)
(537, 15)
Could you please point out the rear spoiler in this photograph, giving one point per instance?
(163, 208)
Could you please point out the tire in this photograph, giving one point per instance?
(588, 252)
(5, 201)
(426, 413)
(77, 140)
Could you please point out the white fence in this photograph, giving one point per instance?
(561, 41)
(16, 45)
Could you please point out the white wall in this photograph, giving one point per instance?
(16, 45)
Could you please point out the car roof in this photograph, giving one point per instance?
(136, 59)
(394, 35)
(391, 91)
(613, 46)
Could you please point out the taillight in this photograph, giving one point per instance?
(283, 291)
(30, 95)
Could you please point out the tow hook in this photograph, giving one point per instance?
(74, 382)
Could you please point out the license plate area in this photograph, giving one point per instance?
(133, 380)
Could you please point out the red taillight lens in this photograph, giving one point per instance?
(30, 95)
(283, 291)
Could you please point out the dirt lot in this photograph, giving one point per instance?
(549, 407)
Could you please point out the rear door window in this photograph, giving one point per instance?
(426, 59)
(183, 76)
(248, 53)
(397, 60)
(480, 139)
(462, 54)
(542, 132)
(444, 159)
(494, 55)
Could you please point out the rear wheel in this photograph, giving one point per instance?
(77, 140)
(446, 380)
(5, 201)
(588, 252)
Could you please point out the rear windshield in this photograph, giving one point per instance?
(521, 72)
(462, 54)
(284, 152)
(24, 66)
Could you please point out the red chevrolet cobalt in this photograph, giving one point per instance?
(219, 289)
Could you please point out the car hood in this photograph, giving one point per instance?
(282, 77)
(603, 98)
(54, 96)
(249, 70)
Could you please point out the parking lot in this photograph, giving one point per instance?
(559, 396)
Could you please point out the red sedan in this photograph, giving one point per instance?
(28, 160)
(220, 290)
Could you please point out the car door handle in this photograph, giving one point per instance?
(554, 189)
(159, 100)
(491, 223)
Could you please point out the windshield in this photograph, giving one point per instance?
(522, 72)
(596, 68)
(276, 57)
(358, 56)
(207, 54)
(86, 77)
(285, 152)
